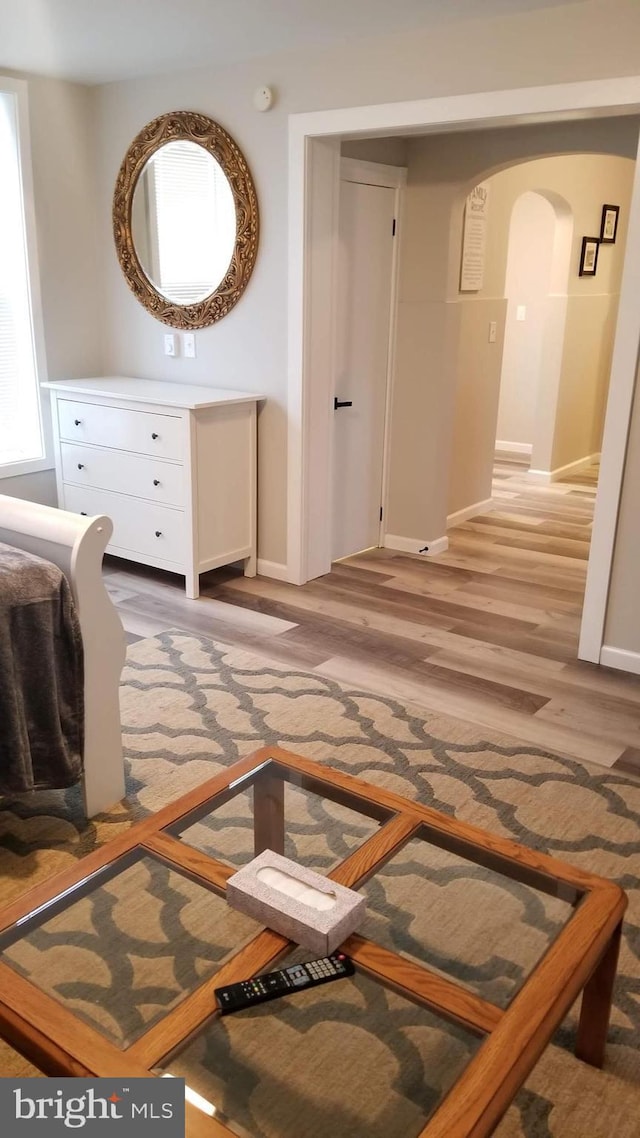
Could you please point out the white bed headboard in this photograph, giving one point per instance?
(76, 545)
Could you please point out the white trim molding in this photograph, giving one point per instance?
(274, 569)
(313, 173)
(471, 511)
(503, 447)
(547, 476)
(621, 659)
(410, 545)
(372, 173)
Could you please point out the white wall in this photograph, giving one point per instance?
(39, 487)
(528, 279)
(248, 348)
(388, 151)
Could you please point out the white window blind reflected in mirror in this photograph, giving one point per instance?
(21, 436)
(192, 222)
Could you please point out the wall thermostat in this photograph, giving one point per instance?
(262, 98)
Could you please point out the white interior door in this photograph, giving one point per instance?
(365, 274)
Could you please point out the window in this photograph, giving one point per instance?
(22, 438)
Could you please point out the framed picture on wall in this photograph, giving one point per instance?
(589, 256)
(609, 224)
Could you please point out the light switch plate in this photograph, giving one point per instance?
(493, 331)
(189, 345)
(521, 312)
(170, 344)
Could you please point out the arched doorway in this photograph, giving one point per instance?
(538, 259)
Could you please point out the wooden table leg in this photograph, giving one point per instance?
(268, 813)
(596, 1005)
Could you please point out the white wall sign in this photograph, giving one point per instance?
(474, 238)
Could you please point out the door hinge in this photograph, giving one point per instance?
(381, 513)
(393, 228)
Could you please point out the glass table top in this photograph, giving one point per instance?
(466, 921)
(319, 833)
(347, 1058)
(127, 948)
(148, 930)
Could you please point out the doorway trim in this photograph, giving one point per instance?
(314, 157)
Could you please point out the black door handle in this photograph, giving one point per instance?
(341, 403)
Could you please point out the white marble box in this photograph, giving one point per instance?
(310, 909)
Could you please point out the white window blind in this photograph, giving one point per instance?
(195, 221)
(21, 435)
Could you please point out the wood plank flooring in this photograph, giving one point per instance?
(486, 632)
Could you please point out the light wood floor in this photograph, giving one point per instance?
(486, 632)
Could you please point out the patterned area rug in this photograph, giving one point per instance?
(190, 707)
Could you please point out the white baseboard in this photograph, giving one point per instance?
(469, 512)
(546, 476)
(410, 545)
(503, 447)
(272, 569)
(620, 658)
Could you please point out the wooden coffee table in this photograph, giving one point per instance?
(108, 969)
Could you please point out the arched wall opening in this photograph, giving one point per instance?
(538, 256)
(572, 355)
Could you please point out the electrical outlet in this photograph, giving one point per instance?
(170, 344)
(189, 345)
(521, 312)
(493, 331)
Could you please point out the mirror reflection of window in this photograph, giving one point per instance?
(184, 222)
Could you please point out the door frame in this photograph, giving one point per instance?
(314, 157)
(393, 178)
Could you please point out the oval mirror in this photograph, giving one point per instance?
(185, 220)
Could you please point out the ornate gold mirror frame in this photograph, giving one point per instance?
(188, 126)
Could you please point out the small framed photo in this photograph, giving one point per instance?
(589, 256)
(609, 224)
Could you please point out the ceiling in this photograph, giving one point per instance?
(99, 42)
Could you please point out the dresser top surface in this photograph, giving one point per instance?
(159, 392)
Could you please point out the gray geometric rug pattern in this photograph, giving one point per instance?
(191, 707)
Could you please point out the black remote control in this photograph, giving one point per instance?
(295, 978)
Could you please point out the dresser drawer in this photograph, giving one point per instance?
(139, 527)
(144, 432)
(132, 474)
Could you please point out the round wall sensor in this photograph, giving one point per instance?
(263, 98)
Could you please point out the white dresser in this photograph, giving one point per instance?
(173, 466)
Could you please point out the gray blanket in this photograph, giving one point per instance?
(41, 676)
